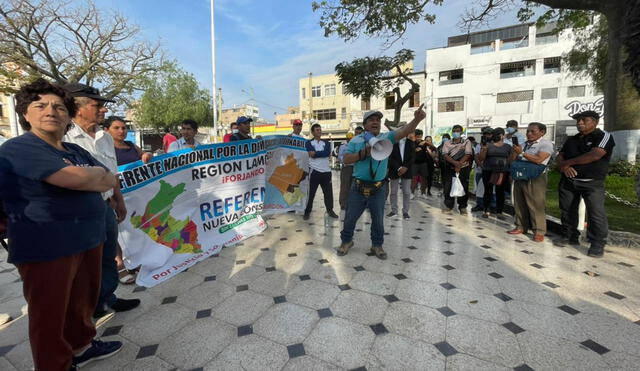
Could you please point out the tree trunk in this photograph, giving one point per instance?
(621, 100)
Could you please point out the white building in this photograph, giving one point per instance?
(489, 77)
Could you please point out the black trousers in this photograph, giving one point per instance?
(499, 189)
(324, 181)
(592, 192)
(447, 174)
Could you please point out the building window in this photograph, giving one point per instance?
(520, 42)
(330, 90)
(389, 101)
(552, 65)
(414, 101)
(324, 114)
(304, 115)
(315, 91)
(517, 69)
(451, 104)
(515, 96)
(549, 93)
(482, 48)
(546, 38)
(576, 91)
(304, 93)
(343, 113)
(451, 77)
(365, 104)
(2, 110)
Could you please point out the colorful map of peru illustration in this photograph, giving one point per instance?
(287, 178)
(181, 236)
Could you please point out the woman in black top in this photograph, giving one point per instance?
(495, 170)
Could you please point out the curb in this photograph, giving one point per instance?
(615, 238)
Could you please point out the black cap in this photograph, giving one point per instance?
(487, 130)
(588, 113)
(77, 89)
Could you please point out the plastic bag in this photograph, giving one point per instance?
(457, 190)
(480, 188)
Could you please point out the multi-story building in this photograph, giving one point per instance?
(286, 119)
(322, 101)
(229, 115)
(489, 77)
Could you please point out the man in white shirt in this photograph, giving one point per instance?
(320, 172)
(85, 132)
(188, 131)
(512, 131)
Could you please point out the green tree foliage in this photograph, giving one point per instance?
(170, 96)
(73, 41)
(369, 77)
(379, 18)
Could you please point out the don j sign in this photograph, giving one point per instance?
(184, 206)
(577, 107)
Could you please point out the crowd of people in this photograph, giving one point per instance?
(62, 203)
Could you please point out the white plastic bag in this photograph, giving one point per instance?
(480, 188)
(457, 190)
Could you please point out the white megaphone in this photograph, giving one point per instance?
(380, 148)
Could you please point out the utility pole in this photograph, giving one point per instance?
(213, 75)
(219, 107)
(310, 99)
(432, 104)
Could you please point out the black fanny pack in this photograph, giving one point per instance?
(368, 189)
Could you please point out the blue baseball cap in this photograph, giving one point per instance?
(243, 119)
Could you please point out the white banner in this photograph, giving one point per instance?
(182, 207)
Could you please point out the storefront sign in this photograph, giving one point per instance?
(577, 107)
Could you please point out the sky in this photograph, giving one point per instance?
(263, 47)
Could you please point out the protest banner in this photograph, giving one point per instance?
(184, 206)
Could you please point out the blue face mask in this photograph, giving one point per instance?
(445, 140)
(510, 130)
(456, 135)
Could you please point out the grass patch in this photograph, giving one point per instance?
(621, 217)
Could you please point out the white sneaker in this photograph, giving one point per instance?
(412, 196)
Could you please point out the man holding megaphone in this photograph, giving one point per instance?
(369, 153)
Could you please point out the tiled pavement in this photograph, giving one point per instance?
(456, 293)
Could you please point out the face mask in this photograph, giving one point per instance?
(456, 135)
(234, 131)
(445, 140)
(510, 130)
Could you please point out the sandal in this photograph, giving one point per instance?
(380, 254)
(126, 277)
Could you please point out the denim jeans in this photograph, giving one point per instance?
(109, 281)
(356, 204)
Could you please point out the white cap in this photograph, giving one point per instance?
(369, 114)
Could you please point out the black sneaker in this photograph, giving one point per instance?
(99, 313)
(123, 305)
(97, 350)
(476, 208)
(332, 214)
(596, 252)
(306, 217)
(406, 216)
(392, 214)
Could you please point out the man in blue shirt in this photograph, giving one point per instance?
(370, 187)
(320, 171)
